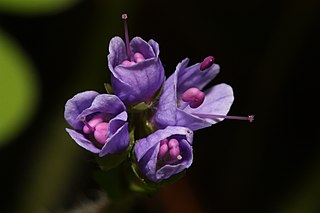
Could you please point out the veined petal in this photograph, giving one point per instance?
(140, 81)
(168, 170)
(192, 77)
(76, 105)
(118, 142)
(114, 115)
(155, 47)
(117, 52)
(167, 107)
(218, 102)
(193, 122)
(137, 44)
(82, 141)
(147, 149)
(104, 103)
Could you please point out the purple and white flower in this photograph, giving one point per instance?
(99, 122)
(164, 153)
(137, 72)
(182, 102)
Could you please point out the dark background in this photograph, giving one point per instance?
(268, 52)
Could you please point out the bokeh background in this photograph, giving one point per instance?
(268, 52)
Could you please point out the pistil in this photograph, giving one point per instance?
(249, 118)
(126, 32)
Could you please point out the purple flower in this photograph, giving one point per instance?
(164, 153)
(99, 122)
(182, 102)
(137, 74)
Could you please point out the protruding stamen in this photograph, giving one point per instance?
(124, 18)
(194, 96)
(249, 118)
(179, 157)
(207, 62)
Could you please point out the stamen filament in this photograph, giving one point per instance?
(83, 119)
(249, 118)
(124, 18)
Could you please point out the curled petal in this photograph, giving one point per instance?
(104, 103)
(115, 129)
(218, 101)
(192, 76)
(118, 135)
(139, 82)
(147, 150)
(76, 105)
(172, 111)
(82, 141)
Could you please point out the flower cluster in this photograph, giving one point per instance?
(145, 118)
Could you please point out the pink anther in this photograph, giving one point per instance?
(89, 126)
(127, 63)
(100, 133)
(174, 152)
(207, 62)
(138, 57)
(194, 96)
(173, 143)
(162, 150)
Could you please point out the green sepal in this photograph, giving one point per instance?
(108, 88)
(142, 106)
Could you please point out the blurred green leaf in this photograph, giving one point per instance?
(18, 89)
(35, 7)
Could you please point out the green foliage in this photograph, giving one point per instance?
(35, 7)
(18, 88)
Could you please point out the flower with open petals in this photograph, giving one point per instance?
(164, 153)
(182, 102)
(99, 122)
(137, 72)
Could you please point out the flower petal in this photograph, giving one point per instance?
(155, 47)
(168, 170)
(137, 44)
(146, 151)
(167, 107)
(217, 102)
(117, 136)
(82, 141)
(139, 82)
(76, 105)
(104, 103)
(189, 77)
(191, 121)
(117, 52)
